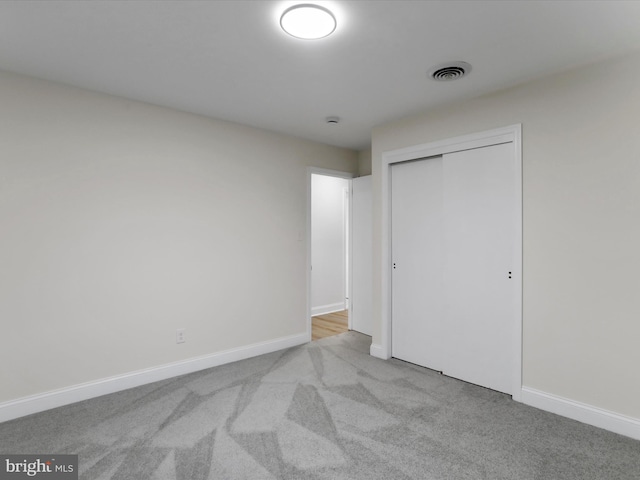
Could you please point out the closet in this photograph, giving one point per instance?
(453, 253)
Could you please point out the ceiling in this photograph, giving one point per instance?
(230, 59)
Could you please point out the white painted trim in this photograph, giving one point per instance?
(510, 134)
(450, 145)
(518, 239)
(346, 206)
(330, 173)
(598, 417)
(350, 249)
(76, 393)
(376, 351)
(324, 309)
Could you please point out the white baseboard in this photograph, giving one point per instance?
(582, 412)
(76, 393)
(376, 351)
(324, 309)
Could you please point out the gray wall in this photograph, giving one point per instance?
(364, 162)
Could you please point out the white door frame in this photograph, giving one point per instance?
(512, 133)
(329, 173)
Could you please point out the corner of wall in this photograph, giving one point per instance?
(364, 162)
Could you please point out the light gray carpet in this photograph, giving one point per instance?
(325, 410)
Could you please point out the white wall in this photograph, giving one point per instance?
(328, 235)
(581, 214)
(122, 222)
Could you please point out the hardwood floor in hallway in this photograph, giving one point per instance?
(329, 324)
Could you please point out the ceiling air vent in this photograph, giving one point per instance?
(449, 71)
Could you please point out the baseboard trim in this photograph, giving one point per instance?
(76, 393)
(324, 309)
(582, 412)
(376, 351)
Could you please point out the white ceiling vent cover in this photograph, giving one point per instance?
(449, 71)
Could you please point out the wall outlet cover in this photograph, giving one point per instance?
(181, 335)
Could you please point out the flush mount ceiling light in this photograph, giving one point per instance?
(308, 21)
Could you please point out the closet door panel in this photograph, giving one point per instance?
(478, 238)
(417, 289)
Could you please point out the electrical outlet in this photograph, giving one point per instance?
(181, 335)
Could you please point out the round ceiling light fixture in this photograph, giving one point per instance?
(308, 21)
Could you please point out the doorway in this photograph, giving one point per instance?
(329, 253)
(330, 324)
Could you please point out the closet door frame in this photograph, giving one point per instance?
(511, 134)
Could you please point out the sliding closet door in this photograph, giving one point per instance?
(453, 250)
(416, 212)
(479, 238)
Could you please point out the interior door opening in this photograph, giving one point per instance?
(329, 256)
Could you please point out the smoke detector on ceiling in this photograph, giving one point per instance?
(333, 120)
(449, 71)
